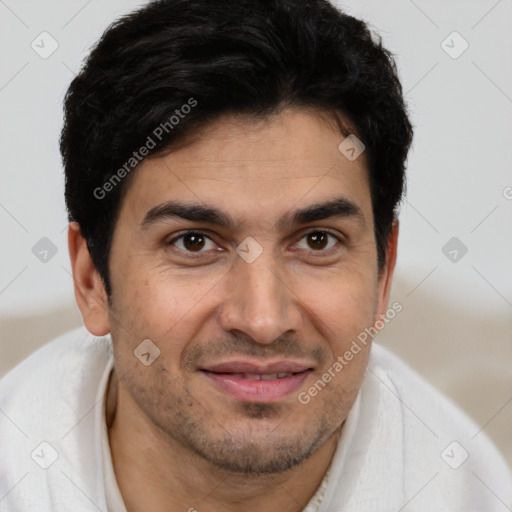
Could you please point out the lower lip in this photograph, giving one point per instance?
(263, 391)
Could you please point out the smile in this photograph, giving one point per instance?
(258, 387)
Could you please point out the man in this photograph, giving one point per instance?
(232, 177)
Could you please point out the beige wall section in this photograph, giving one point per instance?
(466, 356)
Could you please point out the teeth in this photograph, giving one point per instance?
(251, 376)
(266, 376)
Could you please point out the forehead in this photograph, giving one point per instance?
(255, 167)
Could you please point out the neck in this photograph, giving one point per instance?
(155, 472)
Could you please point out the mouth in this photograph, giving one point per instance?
(249, 382)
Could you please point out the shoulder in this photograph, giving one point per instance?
(61, 363)
(417, 395)
(51, 406)
(70, 348)
(439, 440)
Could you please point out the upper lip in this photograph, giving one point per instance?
(258, 368)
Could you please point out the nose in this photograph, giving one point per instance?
(259, 302)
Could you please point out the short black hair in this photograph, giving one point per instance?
(217, 57)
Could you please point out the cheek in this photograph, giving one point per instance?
(341, 303)
(165, 307)
(342, 312)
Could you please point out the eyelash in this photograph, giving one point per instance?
(321, 252)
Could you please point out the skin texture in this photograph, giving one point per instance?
(177, 440)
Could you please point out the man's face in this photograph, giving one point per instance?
(289, 301)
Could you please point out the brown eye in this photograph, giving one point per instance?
(317, 240)
(193, 241)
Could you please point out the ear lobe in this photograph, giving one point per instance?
(386, 274)
(90, 293)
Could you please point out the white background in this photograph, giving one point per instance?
(458, 169)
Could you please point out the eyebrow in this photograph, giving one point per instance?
(339, 207)
(193, 212)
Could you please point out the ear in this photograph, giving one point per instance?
(386, 273)
(90, 293)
